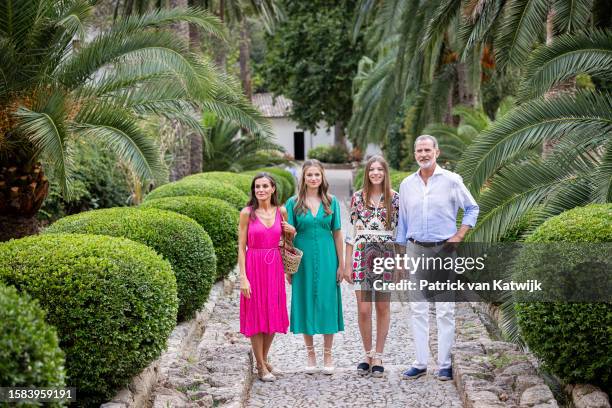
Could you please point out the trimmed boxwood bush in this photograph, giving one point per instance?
(241, 181)
(282, 186)
(112, 301)
(29, 349)
(329, 154)
(285, 174)
(217, 217)
(202, 188)
(177, 238)
(573, 339)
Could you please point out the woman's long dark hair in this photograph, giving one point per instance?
(253, 201)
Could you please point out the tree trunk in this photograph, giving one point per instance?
(196, 153)
(245, 55)
(181, 153)
(466, 93)
(219, 46)
(339, 135)
(23, 189)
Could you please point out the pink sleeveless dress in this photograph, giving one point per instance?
(266, 310)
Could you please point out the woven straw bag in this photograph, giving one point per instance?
(290, 254)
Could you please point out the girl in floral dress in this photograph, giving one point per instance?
(373, 216)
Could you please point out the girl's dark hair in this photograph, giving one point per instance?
(253, 202)
(300, 203)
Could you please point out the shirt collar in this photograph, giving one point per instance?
(437, 170)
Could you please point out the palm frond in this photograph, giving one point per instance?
(119, 130)
(528, 126)
(586, 52)
(572, 15)
(522, 26)
(44, 126)
(446, 11)
(477, 28)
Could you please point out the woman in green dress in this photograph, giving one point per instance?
(316, 302)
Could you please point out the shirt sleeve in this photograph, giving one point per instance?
(350, 235)
(290, 214)
(394, 214)
(467, 203)
(336, 222)
(402, 224)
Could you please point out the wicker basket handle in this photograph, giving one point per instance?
(287, 242)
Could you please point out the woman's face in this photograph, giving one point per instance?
(313, 177)
(263, 189)
(376, 173)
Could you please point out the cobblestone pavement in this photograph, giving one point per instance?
(345, 388)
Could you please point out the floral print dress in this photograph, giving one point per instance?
(368, 225)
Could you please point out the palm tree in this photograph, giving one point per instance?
(55, 88)
(228, 150)
(578, 171)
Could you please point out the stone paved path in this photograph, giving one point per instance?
(344, 388)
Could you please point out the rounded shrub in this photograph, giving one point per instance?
(29, 349)
(217, 217)
(573, 339)
(286, 175)
(202, 188)
(282, 186)
(112, 301)
(177, 238)
(241, 181)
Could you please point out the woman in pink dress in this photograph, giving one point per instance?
(263, 303)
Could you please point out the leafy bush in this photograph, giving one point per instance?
(202, 188)
(396, 178)
(112, 301)
(97, 183)
(286, 175)
(573, 339)
(282, 186)
(241, 181)
(217, 217)
(329, 154)
(29, 352)
(177, 238)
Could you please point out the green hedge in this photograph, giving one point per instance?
(202, 188)
(285, 174)
(29, 349)
(112, 300)
(573, 339)
(217, 217)
(329, 154)
(283, 187)
(241, 181)
(396, 179)
(177, 238)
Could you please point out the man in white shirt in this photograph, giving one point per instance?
(429, 202)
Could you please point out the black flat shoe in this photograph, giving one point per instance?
(363, 369)
(377, 371)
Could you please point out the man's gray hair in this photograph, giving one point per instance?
(426, 137)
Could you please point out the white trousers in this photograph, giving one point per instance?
(445, 319)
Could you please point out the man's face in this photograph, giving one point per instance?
(425, 153)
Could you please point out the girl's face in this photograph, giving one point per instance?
(263, 189)
(376, 173)
(313, 177)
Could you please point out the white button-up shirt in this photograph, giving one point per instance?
(428, 212)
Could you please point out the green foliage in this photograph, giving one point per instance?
(396, 179)
(97, 183)
(227, 150)
(312, 60)
(240, 181)
(218, 218)
(180, 240)
(56, 93)
(29, 350)
(573, 339)
(113, 303)
(329, 154)
(202, 188)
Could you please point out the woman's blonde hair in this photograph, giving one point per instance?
(300, 204)
(387, 192)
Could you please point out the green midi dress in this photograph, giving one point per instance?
(316, 302)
